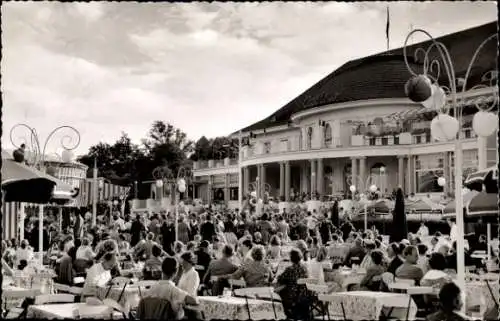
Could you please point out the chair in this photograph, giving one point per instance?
(61, 288)
(54, 298)
(307, 280)
(155, 309)
(314, 291)
(118, 281)
(256, 292)
(406, 281)
(146, 285)
(237, 283)
(328, 301)
(418, 290)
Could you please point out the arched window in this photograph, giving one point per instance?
(309, 137)
(327, 135)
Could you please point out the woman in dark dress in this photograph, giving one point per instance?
(293, 295)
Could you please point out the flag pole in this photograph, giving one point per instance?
(387, 26)
(240, 178)
(94, 194)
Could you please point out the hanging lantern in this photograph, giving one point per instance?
(253, 194)
(444, 127)
(373, 188)
(352, 188)
(18, 155)
(485, 123)
(441, 181)
(418, 88)
(67, 156)
(437, 99)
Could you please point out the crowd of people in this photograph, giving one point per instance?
(212, 248)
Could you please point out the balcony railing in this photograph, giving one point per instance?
(219, 163)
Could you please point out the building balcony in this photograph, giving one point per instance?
(215, 166)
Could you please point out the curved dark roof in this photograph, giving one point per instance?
(384, 75)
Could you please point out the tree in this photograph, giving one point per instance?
(202, 149)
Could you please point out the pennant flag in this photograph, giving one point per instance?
(387, 28)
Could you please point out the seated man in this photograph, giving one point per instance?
(99, 274)
(219, 267)
(450, 299)
(152, 266)
(166, 289)
(409, 269)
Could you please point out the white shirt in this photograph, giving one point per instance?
(189, 282)
(85, 253)
(423, 231)
(24, 254)
(315, 270)
(453, 232)
(311, 222)
(96, 276)
(120, 223)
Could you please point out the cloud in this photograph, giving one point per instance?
(208, 68)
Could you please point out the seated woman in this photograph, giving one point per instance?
(373, 277)
(255, 272)
(23, 253)
(274, 252)
(99, 274)
(315, 266)
(293, 295)
(166, 289)
(435, 276)
(65, 270)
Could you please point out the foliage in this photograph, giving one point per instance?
(124, 162)
(216, 148)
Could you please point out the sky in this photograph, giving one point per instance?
(207, 68)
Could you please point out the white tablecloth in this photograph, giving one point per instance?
(365, 305)
(69, 311)
(344, 278)
(232, 308)
(130, 298)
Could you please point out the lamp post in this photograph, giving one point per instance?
(425, 89)
(366, 186)
(68, 142)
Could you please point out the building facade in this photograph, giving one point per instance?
(356, 127)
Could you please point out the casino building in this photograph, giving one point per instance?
(356, 126)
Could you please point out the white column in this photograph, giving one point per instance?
(282, 180)
(320, 177)
(21, 222)
(40, 233)
(287, 181)
(481, 152)
(401, 171)
(362, 169)
(354, 172)
(313, 177)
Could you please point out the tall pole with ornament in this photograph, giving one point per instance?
(424, 87)
(36, 159)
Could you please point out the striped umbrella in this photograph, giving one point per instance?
(487, 177)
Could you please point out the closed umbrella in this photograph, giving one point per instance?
(399, 223)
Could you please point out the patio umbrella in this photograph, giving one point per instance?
(381, 207)
(399, 224)
(483, 204)
(335, 214)
(487, 177)
(423, 206)
(21, 183)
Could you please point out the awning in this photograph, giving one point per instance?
(483, 204)
(487, 177)
(23, 183)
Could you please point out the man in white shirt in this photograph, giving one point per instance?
(166, 289)
(423, 231)
(99, 274)
(453, 230)
(190, 280)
